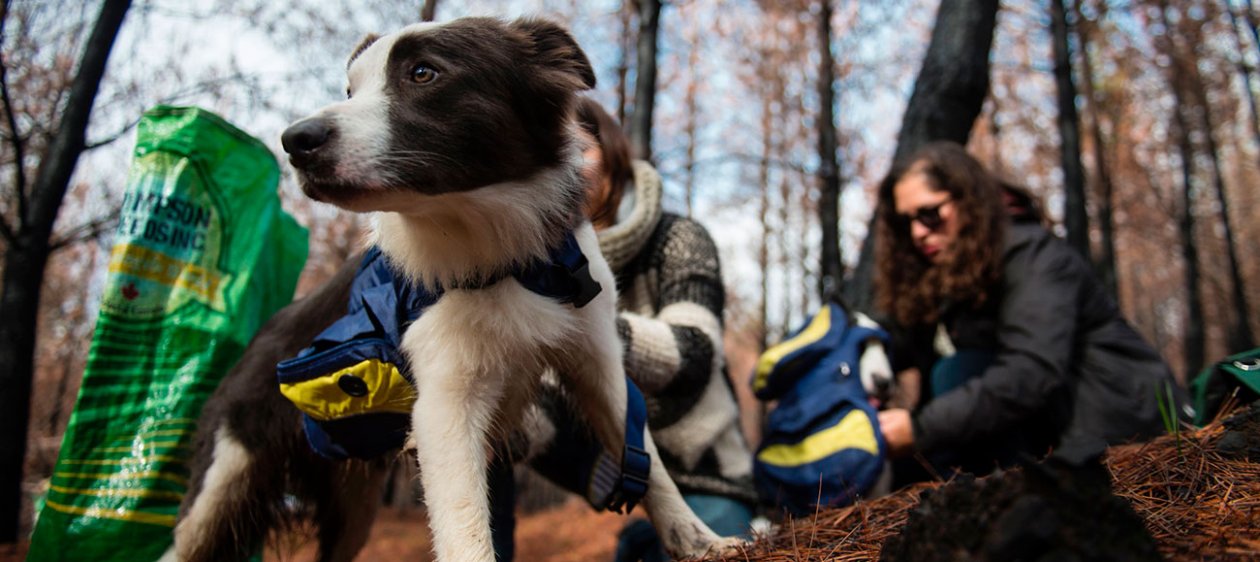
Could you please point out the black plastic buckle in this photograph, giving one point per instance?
(587, 287)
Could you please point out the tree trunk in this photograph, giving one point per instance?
(763, 182)
(623, 63)
(785, 250)
(831, 270)
(428, 10)
(1106, 260)
(692, 105)
(1245, 70)
(1194, 336)
(1075, 215)
(27, 256)
(645, 79)
(947, 98)
(1250, 17)
(1240, 336)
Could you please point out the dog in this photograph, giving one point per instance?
(460, 139)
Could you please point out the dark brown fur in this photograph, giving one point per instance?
(483, 108)
(249, 402)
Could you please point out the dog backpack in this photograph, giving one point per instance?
(352, 383)
(821, 444)
(355, 388)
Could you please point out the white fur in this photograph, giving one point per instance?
(874, 367)
(477, 350)
(455, 238)
(230, 462)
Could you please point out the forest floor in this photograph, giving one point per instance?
(1192, 496)
(570, 532)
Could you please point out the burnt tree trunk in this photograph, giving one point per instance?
(1106, 260)
(27, 255)
(947, 98)
(692, 105)
(645, 79)
(1075, 215)
(623, 61)
(1245, 70)
(1194, 335)
(831, 271)
(763, 183)
(1240, 336)
(1250, 17)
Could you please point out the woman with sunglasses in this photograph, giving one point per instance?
(1018, 347)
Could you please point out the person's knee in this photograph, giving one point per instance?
(638, 542)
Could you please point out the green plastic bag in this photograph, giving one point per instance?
(204, 255)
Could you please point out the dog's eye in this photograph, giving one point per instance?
(348, 95)
(422, 74)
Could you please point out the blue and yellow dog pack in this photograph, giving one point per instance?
(822, 444)
(352, 384)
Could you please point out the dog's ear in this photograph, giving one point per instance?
(363, 45)
(555, 48)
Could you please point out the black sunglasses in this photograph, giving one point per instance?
(929, 217)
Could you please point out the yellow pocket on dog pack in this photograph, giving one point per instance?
(365, 383)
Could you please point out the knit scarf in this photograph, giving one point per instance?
(621, 242)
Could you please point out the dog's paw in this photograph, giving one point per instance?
(725, 548)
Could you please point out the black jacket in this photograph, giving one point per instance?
(1067, 368)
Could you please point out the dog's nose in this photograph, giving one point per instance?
(305, 137)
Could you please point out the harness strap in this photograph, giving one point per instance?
(566, 277)
(626, 486)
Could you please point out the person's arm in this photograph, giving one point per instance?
(673, 352)
(670, 356)
(1036, 341)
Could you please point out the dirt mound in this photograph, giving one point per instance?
(1051, 511)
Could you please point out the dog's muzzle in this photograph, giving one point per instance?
(302, 140)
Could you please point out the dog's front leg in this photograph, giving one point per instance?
(450, 423)
(602, 391)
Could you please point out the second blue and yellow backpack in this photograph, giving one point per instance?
(821, 444)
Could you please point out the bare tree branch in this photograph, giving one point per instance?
(87, 231)
(111, 138)
(19, 150)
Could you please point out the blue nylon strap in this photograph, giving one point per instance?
(566, 277)
(636, 463)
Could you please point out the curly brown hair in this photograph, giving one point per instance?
(912, 289)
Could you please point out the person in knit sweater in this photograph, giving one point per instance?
(671, 299)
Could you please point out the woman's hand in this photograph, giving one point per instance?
(898, 431)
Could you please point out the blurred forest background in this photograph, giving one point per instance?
(771, 122)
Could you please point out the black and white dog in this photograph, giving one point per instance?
(460, 137)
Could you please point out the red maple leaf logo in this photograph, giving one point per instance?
(129, 291)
